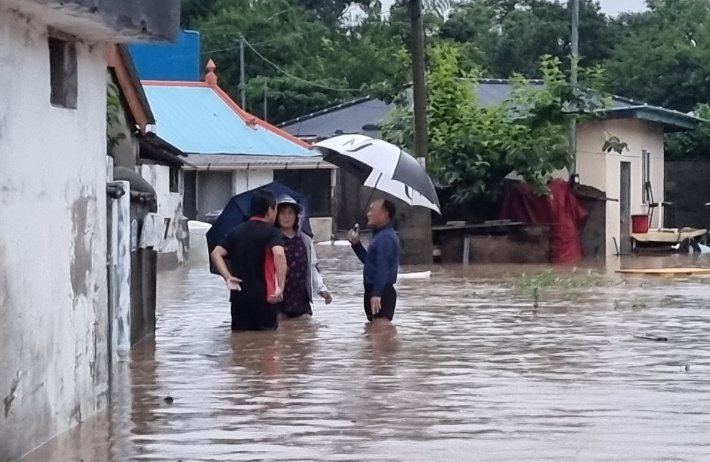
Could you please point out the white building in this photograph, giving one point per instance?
(229, 151)
(54, 360)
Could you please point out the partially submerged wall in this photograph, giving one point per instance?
(53, 299)
(169, 206)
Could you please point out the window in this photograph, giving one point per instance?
(646, 176)
(62, 73)
(175, 182)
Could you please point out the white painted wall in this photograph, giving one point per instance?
(602, 170)
(246, 180)
(169, 205)
(53, 296)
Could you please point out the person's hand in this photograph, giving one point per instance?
(375, 305)
(327, 297)
(276, 297)
(233, 283)
(353, 237)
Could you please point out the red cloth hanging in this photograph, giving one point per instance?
(560, 210)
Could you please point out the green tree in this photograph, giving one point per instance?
(664, 55)
(512, 35)
(473, 147)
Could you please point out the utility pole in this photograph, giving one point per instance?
(573, 80)
(242, 78)
(421, 139)
(418, 245)
(266, 110)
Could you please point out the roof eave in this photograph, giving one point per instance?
(672, 121)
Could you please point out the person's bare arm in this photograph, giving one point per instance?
(281, 268)
(218, 256)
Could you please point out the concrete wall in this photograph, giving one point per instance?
(602, 170)
(119, 272)
(53, 298)
(246, 180)
(169, 205)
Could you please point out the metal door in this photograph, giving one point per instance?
(625, 208)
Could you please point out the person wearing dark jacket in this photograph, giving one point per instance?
(381, 261)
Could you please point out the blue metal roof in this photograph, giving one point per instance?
(197, 120)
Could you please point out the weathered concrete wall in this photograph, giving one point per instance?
(119, 277)
(143, 277)
(688, 188)
(170, 206)
(53, 298)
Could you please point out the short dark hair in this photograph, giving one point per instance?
(389, 206)
(261, 202)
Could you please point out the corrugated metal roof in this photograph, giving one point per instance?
(201, 119)
(364, 114)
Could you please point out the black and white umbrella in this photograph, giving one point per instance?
(383, 166)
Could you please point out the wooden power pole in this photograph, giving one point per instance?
(416, 235)
(574, 69)
(421, 139)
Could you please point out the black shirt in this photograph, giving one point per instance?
(249, 249)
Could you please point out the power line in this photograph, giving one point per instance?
(287, 74)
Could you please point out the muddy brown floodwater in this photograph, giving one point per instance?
(468, 372)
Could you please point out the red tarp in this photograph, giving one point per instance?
(560, 210)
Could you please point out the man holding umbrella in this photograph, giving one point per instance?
(381, 261)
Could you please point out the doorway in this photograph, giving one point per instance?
(214, 189)
(625, 209)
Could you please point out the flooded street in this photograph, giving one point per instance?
(467, 372)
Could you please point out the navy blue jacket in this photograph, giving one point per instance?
(381, 259)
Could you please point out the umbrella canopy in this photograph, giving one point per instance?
(383, 166)
(237, 212)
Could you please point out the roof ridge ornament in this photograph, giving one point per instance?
(210, 76)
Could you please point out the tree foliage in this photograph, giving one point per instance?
(474, 147)
(310, 56)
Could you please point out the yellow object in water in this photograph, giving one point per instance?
(665, 271)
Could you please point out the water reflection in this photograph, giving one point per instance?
(466, 372)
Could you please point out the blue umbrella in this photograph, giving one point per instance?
(237, 212)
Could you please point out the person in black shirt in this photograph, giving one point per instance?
(252, 261)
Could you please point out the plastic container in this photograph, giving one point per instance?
(639, 224)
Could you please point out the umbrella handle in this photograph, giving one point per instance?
(367, 204)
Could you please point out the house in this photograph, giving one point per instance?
(229, 151)
(628, 179)
(54, 295)
(152, 158)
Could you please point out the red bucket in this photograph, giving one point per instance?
(639, 224)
